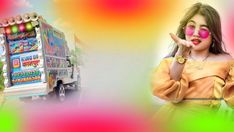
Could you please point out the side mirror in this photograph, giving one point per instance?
(67, 58)
(68, 61)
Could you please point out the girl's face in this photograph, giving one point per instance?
(197, 31)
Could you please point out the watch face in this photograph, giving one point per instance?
(181, 60)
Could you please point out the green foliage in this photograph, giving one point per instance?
(1, 77)
(76, 56)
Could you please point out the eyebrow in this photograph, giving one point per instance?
(202, 25)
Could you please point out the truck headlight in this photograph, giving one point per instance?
(43, 77)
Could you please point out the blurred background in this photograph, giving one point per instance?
(120, 42)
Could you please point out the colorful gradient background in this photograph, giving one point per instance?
(123, 41)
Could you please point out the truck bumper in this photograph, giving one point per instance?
(26, 90)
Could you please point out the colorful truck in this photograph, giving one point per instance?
(35, 58)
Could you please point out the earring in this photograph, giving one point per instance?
(213, 44)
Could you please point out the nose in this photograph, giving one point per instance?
(196, 31)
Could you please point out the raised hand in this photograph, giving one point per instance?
(184, 45)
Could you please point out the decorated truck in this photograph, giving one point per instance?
(35, 57)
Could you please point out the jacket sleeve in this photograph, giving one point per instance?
(228, 89)
(166, 88)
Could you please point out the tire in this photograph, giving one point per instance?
(60, 92)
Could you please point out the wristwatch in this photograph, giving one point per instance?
(180, 59)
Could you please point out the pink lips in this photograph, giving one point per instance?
(196, 41)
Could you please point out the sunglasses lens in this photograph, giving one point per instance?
(189, 30)
(204, 33)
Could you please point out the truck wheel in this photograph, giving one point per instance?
(60, 92)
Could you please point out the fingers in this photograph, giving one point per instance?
(188, 43)
(191, 44)
(180, 41)
(175, 38)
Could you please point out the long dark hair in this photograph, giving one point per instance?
(214, 24)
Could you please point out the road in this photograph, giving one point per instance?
(71, 95)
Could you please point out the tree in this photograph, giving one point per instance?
(76, 56)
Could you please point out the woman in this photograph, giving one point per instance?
(198, 73)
